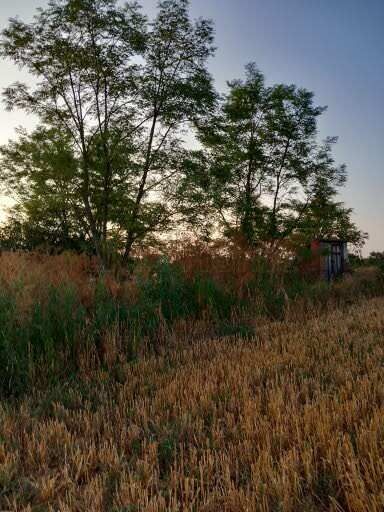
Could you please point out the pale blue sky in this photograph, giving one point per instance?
(333, 47)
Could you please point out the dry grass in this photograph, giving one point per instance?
(32, 273)
(290, 421)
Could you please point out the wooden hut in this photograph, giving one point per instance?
(329, 258)
(326, 259)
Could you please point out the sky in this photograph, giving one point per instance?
(332, 47)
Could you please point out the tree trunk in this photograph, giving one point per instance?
(140, 194)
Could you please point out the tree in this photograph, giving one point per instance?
(233, 155)
(41, 172)
(120, 88)
(175, 88)
(376, 256)
(262, 168)
(319, 214)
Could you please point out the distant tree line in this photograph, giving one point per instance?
(108, 169)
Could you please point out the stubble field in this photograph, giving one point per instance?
(292, 419)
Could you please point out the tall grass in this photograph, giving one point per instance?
(56, 312)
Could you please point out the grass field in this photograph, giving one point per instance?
(290, 420)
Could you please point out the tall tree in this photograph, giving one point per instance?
(175, 88)
(233, 141)
(121, 88)
(80, 53)
(291, 150)
(261, 165)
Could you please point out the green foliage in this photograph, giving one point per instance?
(58, 325)
(115, 89)
(107, 311)
(55, 323)
(261, 169)
(168, 293)
(41, 171)
(107, 170)
(168, 296)
(269, 288)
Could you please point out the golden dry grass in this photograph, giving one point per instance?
(290, 421)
